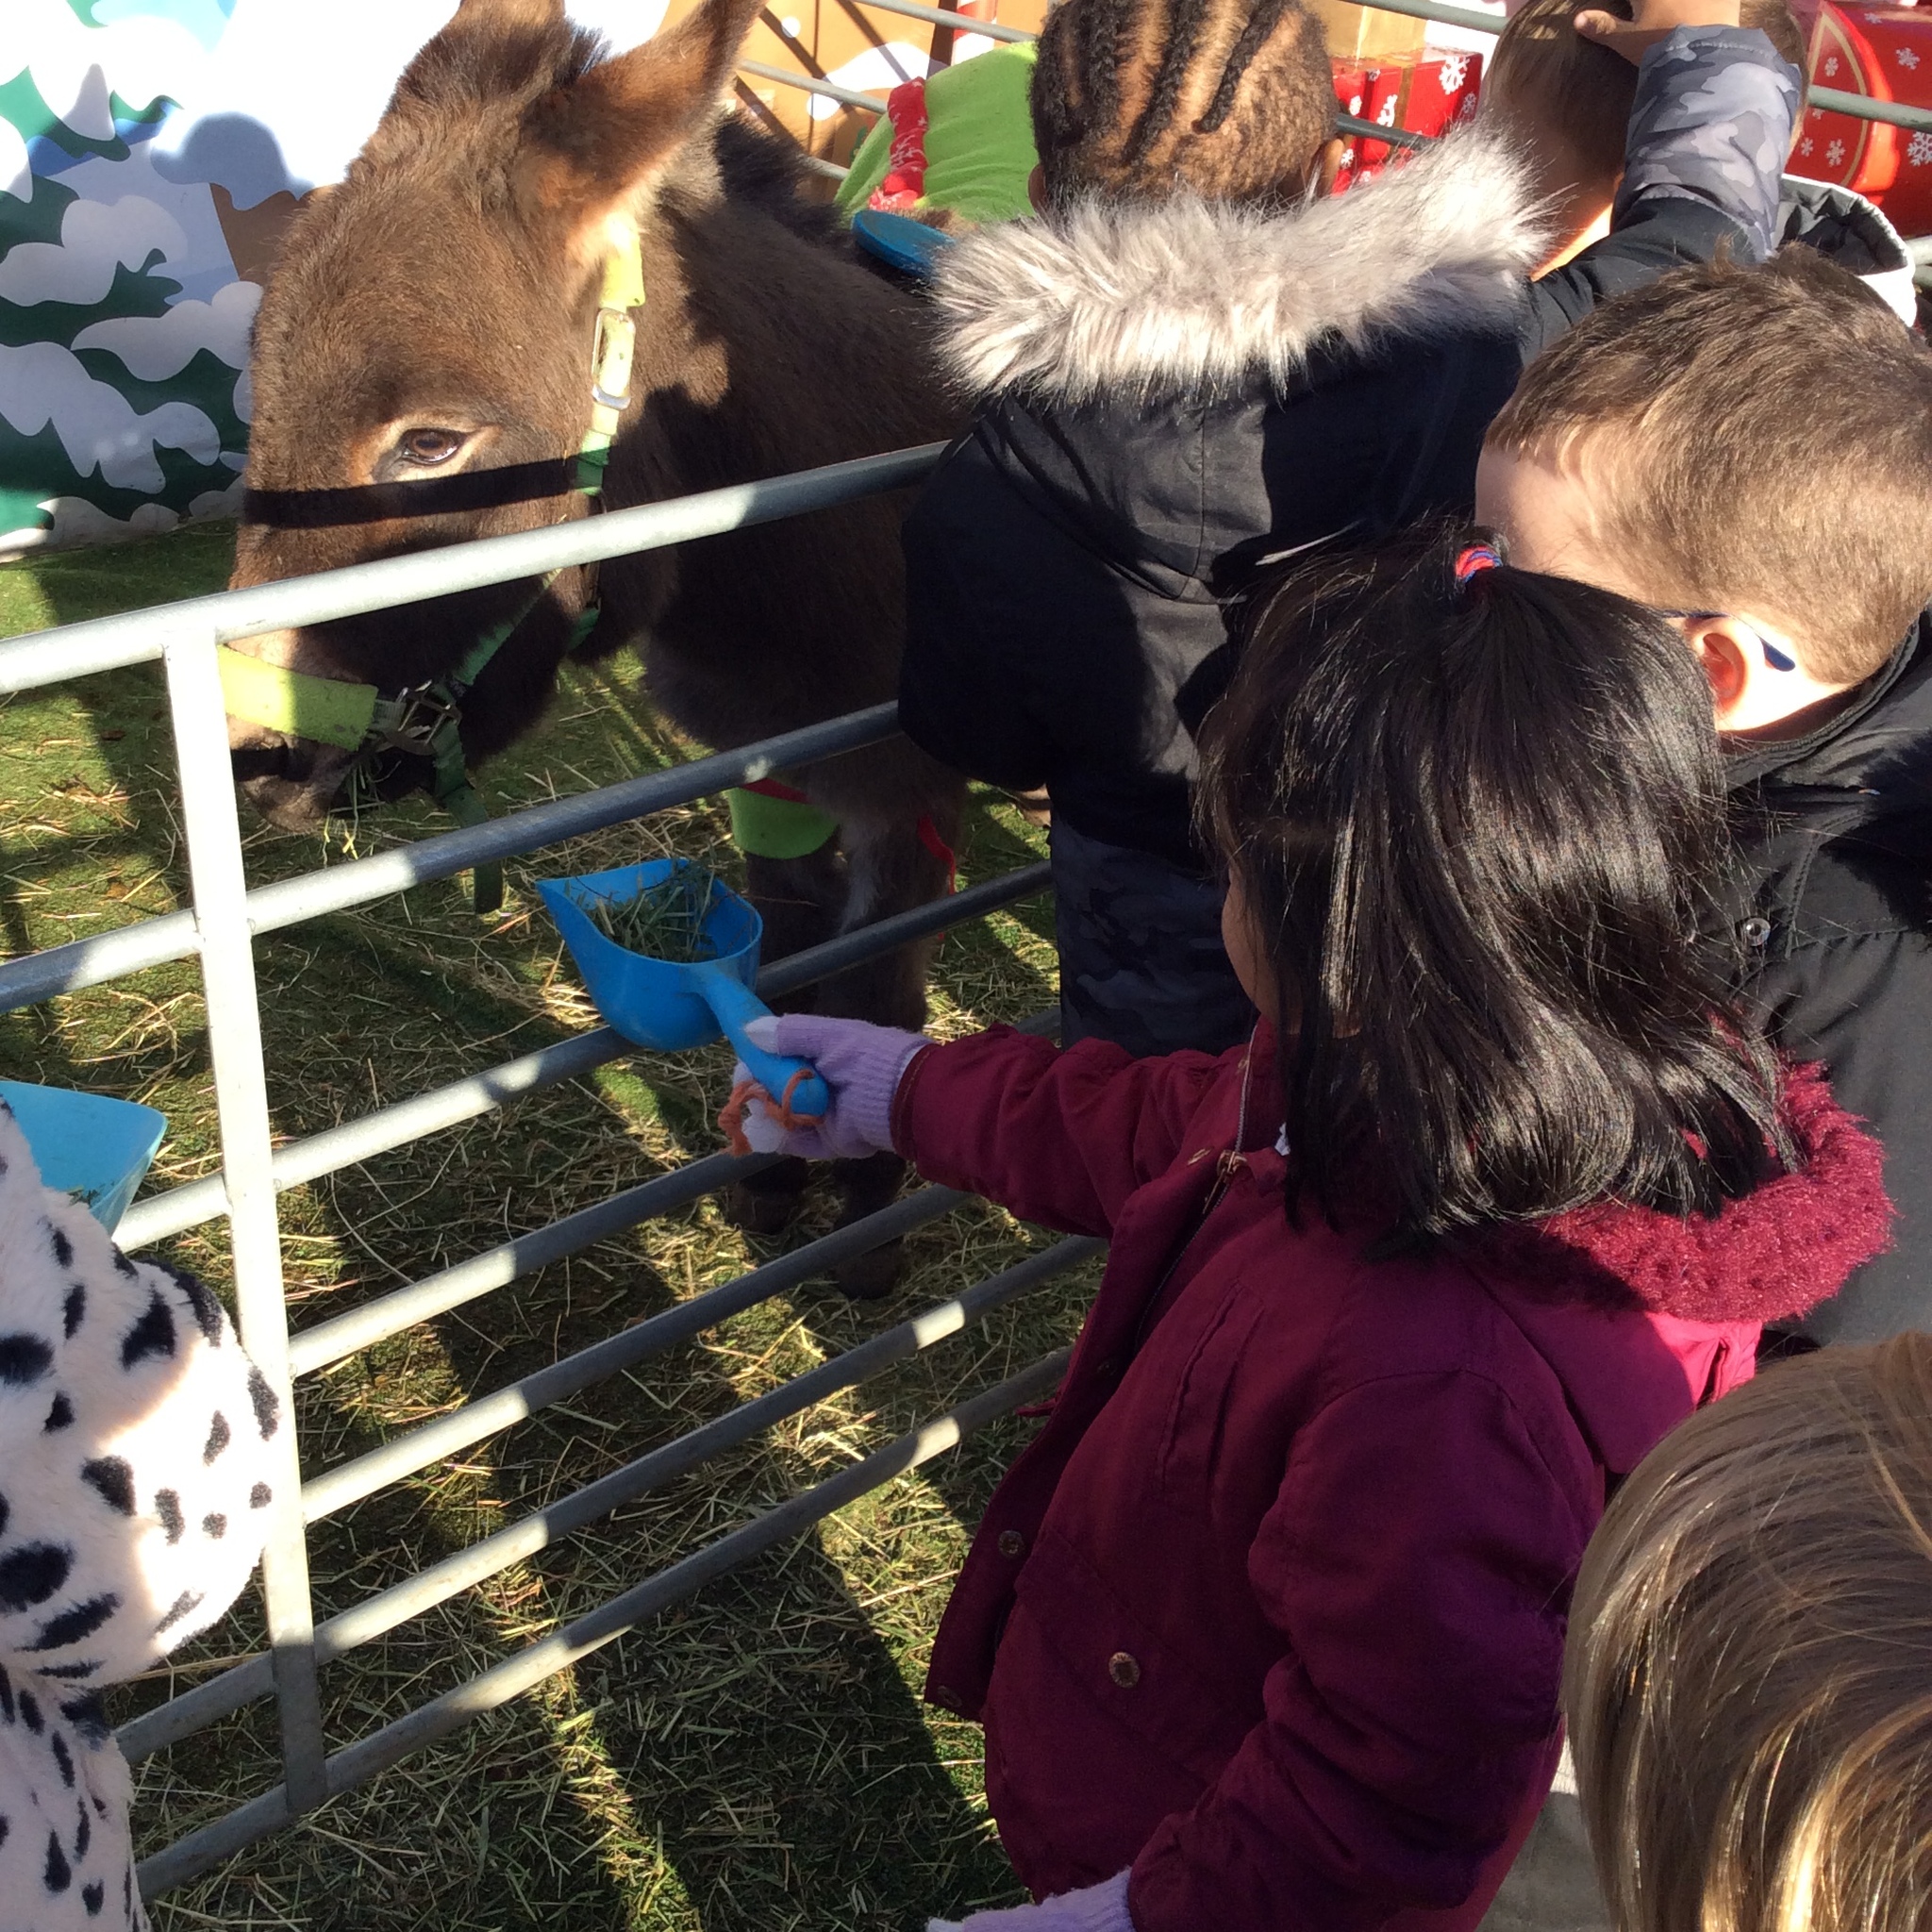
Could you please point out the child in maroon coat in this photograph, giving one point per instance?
(1266, 1626)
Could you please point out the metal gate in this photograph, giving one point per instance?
(220, 930)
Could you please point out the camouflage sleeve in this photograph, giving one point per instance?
(1712, 122)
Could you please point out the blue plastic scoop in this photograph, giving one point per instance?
(86, 1144)
(668, 1005)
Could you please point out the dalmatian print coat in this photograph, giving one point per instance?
(133, 1501)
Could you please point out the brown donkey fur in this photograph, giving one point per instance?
(423, 351)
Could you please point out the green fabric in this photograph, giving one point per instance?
(980, 147)
(776, 827)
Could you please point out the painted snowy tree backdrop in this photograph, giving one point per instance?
(150, 151)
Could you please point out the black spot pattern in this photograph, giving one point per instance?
(267, 1409)
(68, 1672)
(261, 1496)
(112, 1477)
(5, 1826)
(32, 1574)
(185, 1605)
(83, 1620)
(74, 1310)
(64, 1759)
(125, 1266)
(30, 1713)
(89, 1717)
(168, 1508)
(219, 1437)
(154, 1334)
(6, 1510)
(6, 1696)
(64, 1248)
(215, 1526)
(59, 1873)
(83, 1834)
(59, 1417)
(23, 1358)
(208, 1311)
(94, 1896)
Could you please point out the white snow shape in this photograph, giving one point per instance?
(42, 383)
(16, 178)
(75, 66)
(95, 236)
(155, 347)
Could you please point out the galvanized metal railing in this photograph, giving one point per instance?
(1833, 100)
(220, 930)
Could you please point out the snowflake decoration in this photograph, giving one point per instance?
(1830, 66)
(1919, 151)
(1456, 71)
(1907, 58)
(1835, 154)
(1384, 114)
(1354, 104)
(1805, 145)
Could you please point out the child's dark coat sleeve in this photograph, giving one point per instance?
(1419, 1559)
(1058, 1137)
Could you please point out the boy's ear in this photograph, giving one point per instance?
(591, 150)
(1722, 650)
(1035, 188)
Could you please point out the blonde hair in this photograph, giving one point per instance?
(1749, 1677)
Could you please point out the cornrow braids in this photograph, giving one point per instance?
(1132, 99)
(1177, 61)
(1261, 23)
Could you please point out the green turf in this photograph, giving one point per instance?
(757, 1759)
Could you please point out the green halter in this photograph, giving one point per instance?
(426, 719)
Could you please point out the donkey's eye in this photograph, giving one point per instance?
(430, 446)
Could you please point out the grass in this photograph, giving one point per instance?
(756, 1758)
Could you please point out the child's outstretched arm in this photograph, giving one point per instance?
(1061, 1138)
(1709, 132)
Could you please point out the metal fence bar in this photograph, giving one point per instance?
(1373, 130)
(233, 1024)
(960, 23)
(829, 90)
(111, 643)
(1863, 108)
(339, 888)
(389, 1127)
(190, 1857)
(489, 1415)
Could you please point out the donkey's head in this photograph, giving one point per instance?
(423, 357)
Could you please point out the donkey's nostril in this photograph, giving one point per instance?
(260, 761)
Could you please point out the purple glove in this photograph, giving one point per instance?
(862, 1066)
(1095, 1909)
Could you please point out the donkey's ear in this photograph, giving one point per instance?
(491, 48)
(592, 149)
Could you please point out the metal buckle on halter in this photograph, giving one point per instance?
(421, 712)
(612, 347)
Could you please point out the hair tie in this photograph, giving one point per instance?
(1478, 557)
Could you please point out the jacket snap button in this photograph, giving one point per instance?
(1753, 932)
(1123, 1670)
(1012, 1542)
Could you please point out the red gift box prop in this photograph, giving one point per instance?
(1886, 52)
(1422, 93)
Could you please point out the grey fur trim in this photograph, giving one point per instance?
(1193, 298)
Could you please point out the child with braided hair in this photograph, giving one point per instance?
(1191, 363)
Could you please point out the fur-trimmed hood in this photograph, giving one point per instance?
(1186, 297)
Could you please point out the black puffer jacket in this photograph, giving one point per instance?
(1834, 900)
(1175, 394)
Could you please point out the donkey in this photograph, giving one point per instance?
(421, 374)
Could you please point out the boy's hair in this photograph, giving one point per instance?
(1749, 1677)
(1134, 98)
(1758, 441)
(1477, 828)
(1570, 98)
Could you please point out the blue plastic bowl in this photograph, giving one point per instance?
(653, 1003)
(87, 1146)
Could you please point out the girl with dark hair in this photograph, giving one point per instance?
(1266, 1625)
